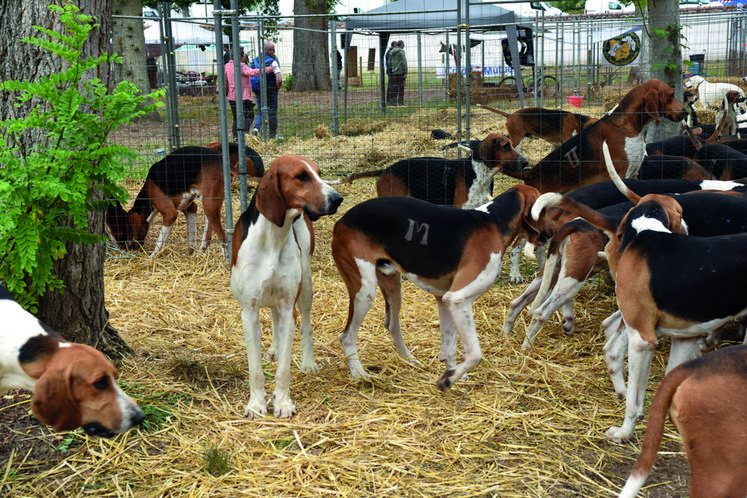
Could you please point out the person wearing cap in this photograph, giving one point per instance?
(274, 81)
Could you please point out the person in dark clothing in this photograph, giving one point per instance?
(274, 81)
(339, 69)
(398, 67)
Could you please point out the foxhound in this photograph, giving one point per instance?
(656, 267)
(711, 94)
(73, 385)
(705, 399)
(465, 183)
(172, 185)
(271, 268)
(579, 160)
(452, 253)
(552, 125)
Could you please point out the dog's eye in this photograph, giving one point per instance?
(304, 177)
(102, 384)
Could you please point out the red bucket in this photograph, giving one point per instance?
(575, 100)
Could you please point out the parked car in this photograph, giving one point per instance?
(608, 7)
(698, 4)
(530, 9)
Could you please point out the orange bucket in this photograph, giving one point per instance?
(575, 100)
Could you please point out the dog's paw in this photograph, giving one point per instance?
(446, 380)
(283, 406)
(309, 366)
(617, 435)
(516, 278)
(357, 371)
(255, 408)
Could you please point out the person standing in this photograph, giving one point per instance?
(274, 81)
(246, 91)
(389, 70)
(339, 69)
(398, 66)
(226, 54)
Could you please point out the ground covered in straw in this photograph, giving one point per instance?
(525, 423)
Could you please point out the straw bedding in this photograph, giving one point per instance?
(525, 423)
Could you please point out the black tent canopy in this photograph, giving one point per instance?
(406, 16)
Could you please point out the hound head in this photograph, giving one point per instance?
(694, 82)
(126, 229)
(535, 230)
(658, 101)
(78, 388)
(497, 152)
(292, 184)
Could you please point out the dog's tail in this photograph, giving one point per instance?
(657, 416)
(364, 174)
(493, 109)
(632, 196)
(695, 141)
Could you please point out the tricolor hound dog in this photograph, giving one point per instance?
(172, 185)
(552, 125)
(573, 251)
(726, 117)
(271, 268)
(705, 399)
(463, 182)
(656, 267)
(452, 253)
(74, 385)
(711, 94)
(579, 160)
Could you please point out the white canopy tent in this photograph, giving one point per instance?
(183, 33)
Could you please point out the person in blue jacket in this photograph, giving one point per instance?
(274, 81)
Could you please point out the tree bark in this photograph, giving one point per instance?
(665, 15)
(128, 40)
(311, 69)
(79, 312)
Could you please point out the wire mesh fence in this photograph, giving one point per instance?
(578, 63)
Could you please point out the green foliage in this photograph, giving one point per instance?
(216, 461)
(46, 191)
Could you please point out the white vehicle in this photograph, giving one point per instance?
(698, 4)
(608, 7)
(530, 9)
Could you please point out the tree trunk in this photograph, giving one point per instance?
(78, 313)
(666, 54)
(128, 40)
(311, 69)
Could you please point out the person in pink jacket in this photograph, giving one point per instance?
(246, 91)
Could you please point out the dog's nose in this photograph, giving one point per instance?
(334, 201)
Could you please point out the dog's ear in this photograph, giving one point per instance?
(53, 402)
(652, 104)
(270, 201)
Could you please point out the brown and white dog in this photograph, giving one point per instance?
(579, 160)
(463, 182)
(454, 254)
(74, 385)
(726, 117)
(656, 267)
(271, 268)
(172, 185)
(705, 400)
(552, 125)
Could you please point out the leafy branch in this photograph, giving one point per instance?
(47, 190)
